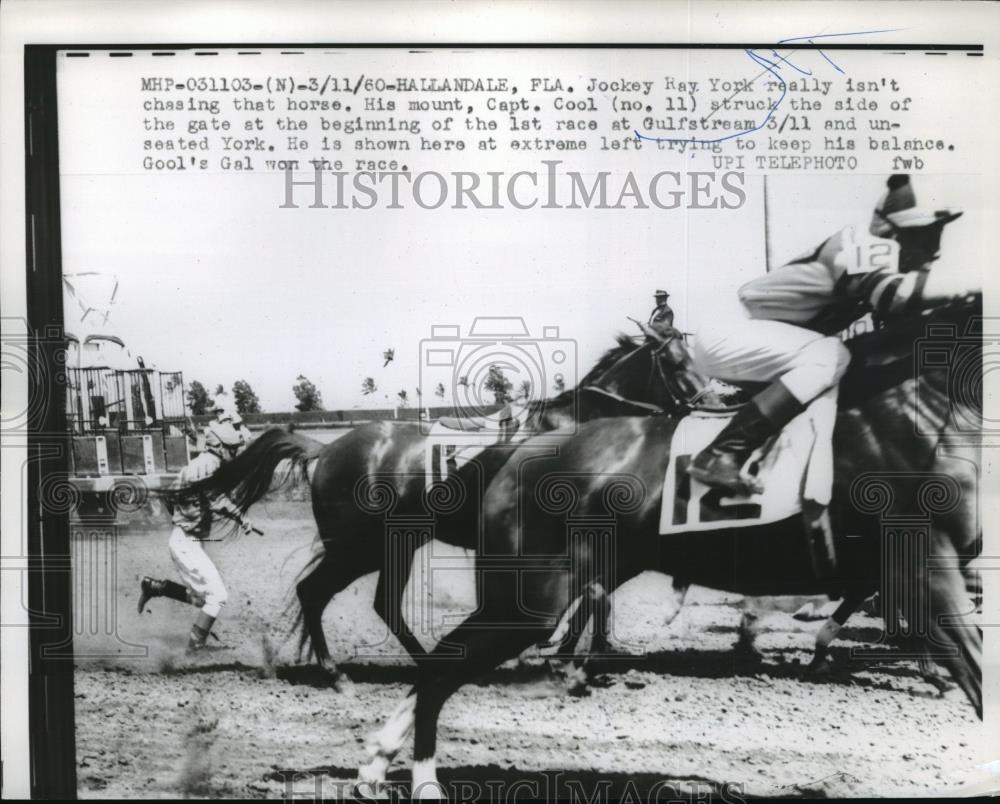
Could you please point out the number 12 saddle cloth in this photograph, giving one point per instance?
(795, 465)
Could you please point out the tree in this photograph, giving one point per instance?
(559, 384)
(439, 391)
(388, 356)
(197, 398)
(524, 389)
(464, 380)
(219, 389)
(368, 386)
(308, 395)
(498, 384)
(244, 398)
(404, 398)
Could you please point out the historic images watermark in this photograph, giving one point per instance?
(548, 188)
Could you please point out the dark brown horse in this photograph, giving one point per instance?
(372, 501)
(556, 525)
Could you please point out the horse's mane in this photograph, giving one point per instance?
(900, 335)
(623, 345)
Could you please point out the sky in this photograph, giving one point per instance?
(219, 282)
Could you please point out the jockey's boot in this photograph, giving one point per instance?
(150, 588)
(199, 632)
(719, 464)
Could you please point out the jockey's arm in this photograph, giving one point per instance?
(888, 292)
(945, 283)
(222, 505)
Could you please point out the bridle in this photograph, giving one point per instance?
(659, 353)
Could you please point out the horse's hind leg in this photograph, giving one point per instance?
(829, 630)
(953, 638)
(679, 592)
(392, 581)
(315, 591)
(929, 672)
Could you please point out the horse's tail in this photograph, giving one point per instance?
(249, 476)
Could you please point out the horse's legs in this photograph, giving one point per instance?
(746, 648)
(601, 603)
(594, 602)
(392, 580)
(483, 649)
(315, 591)
(829, 630)
(953, 638)
(441, 674)
(679, 591)
(387, 741)
(929, 672)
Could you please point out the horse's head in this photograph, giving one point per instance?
(655, 371)
(682, 387)
(650, 374)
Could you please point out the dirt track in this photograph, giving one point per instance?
(675, 713)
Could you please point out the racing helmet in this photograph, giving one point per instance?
(897, 210)
(221, 408)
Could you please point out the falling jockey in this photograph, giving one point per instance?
(192, 518)
(793, 313)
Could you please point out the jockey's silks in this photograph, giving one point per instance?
(194, 515)
(850, 274)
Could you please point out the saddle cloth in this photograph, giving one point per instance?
(797, 464)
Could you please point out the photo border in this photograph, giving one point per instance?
(52, 748)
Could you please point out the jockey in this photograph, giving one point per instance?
(242, 431)
(793, 313)
(192, 520)
(662, 316)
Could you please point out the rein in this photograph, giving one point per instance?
(687, 402)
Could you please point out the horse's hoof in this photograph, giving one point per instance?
(608, 651)
(429, 791)
(373, 774)
(819, 666)
(748, 654)
(578, 689)
(344, 685)
(941, 685)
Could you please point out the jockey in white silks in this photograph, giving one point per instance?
(192, 519)
(793, 313)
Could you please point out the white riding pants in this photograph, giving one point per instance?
(757, 350)
(198, 572)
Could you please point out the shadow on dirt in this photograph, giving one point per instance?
(846, 670)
